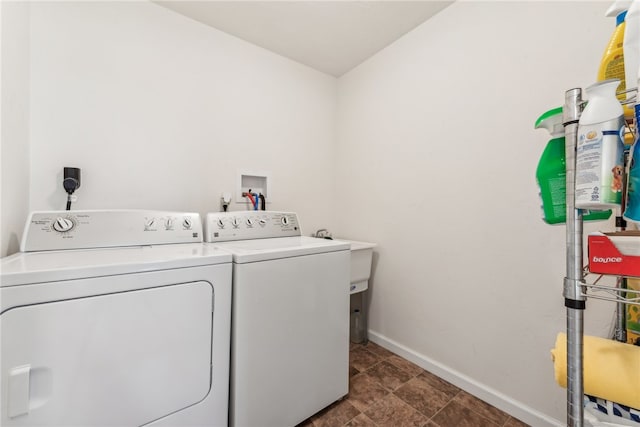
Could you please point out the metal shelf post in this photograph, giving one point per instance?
(574, 297)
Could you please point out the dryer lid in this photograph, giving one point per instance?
(48, 266)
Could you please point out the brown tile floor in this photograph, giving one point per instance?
(387, 390)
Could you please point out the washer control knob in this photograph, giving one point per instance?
(262, 222)
(285, 220)
(62, 225)
(235, 222)
(149, 223)
(249, 222)
(220, 223)
(168, 224)
(186, 223)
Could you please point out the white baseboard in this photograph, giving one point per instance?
(513, 407)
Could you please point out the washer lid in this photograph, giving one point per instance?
(49, 266)
(245, 251)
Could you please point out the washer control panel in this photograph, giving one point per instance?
(248, 225)
(58, 230)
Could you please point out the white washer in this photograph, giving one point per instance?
(290, 318)
(114, 318)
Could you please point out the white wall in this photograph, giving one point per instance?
(14, 123)
(161, 112)
(436, 163)
(433, 158)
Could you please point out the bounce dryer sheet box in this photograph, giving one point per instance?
(615, 253)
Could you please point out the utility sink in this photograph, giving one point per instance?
(361, 257)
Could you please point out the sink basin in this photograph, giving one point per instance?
(361, 256)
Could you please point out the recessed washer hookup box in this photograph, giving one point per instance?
(615, 253)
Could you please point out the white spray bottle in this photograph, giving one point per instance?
(600, 149)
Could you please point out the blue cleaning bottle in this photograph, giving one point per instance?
(632, 210)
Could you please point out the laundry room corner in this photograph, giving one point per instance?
(428, 149)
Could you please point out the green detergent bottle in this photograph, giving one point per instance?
(551, 173)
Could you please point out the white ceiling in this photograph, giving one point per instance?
(330, 36)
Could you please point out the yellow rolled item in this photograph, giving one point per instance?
(611, 369)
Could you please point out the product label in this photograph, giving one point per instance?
(615, 70)
(606, 260)
(599, 166)
(558, 192)
(553, 194)
(633, 311)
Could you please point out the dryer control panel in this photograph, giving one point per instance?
(249, 225)
(61, 230)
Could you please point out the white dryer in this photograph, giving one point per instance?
(290, 317)
(114, 318)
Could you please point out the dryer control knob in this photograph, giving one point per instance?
(186, 223)
(249, 222)
(149, 223)
(235, 222)
(285, 220)
(62, 225)
(262, 222)
(220, 223)
(168, 224)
